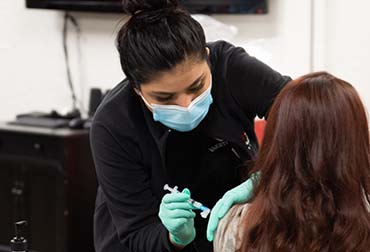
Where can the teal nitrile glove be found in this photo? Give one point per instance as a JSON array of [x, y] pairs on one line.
[[177, 216], [240, 194]]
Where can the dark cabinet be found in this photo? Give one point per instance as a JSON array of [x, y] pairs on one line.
[[47, 177]]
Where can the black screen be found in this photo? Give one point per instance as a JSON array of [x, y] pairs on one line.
[[194, 6]]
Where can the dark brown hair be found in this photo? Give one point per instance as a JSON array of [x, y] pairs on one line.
[[158, 36], [313, 193]]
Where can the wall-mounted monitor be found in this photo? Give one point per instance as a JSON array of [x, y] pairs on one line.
[[194, 6]]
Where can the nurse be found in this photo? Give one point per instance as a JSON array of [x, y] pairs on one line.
[[184, 117]]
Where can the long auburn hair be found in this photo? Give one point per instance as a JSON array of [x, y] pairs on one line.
[[313, 193]]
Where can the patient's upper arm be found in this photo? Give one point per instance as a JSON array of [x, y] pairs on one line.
[[229, 233]]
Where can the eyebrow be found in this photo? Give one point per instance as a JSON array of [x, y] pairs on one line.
[[194, 83]]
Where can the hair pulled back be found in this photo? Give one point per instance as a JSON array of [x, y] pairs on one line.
[[158, 36], [132, 7]]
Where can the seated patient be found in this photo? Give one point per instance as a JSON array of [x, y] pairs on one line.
[[313, 192]]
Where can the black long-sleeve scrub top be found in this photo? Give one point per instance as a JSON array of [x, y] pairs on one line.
[[135, 156]]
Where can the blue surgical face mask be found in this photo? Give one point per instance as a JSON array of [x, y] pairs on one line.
[[183, 118]]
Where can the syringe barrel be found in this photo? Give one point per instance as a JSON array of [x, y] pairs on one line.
[[198, 205], [195, 203]]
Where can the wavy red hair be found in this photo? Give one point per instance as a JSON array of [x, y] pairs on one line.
[[313, 193]]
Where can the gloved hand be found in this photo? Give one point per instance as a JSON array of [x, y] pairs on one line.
[[177, 216], [240, 194]]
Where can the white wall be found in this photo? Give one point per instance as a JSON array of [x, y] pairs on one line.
[[32, 70], [347, 47], [33, 74], [32, 65], [281, 38]]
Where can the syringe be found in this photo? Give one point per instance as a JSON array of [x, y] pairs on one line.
[[204, 210]]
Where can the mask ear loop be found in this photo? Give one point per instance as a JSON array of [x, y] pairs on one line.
[[145, 101]]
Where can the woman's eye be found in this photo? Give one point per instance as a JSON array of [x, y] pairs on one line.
[[163, 99], [197, 88]]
